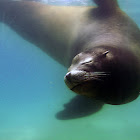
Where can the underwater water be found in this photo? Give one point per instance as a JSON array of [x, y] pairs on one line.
[[35, 104]]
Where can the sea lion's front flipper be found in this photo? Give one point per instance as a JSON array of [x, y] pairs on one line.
[[106, 6], [51, 28]]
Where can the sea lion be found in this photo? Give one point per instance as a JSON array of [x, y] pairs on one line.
[[101, 42]]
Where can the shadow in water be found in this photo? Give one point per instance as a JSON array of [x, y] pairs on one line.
[[79, 106]]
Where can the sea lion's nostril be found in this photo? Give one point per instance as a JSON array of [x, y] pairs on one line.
[[68, 76]]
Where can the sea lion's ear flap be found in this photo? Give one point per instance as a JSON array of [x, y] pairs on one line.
[[109, 5], [105, 53]]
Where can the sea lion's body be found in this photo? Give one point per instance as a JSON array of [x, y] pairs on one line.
[[51, 28], [64, 32]]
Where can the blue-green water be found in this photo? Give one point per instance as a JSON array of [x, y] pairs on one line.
[[35, 104]]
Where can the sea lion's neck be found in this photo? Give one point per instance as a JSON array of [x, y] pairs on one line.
[[104, 38], [116, 30], [108, 39]]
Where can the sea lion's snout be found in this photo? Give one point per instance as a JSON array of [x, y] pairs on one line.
[[85, 82], [105, 73]]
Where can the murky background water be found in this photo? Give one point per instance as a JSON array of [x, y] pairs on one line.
[[35, 104]]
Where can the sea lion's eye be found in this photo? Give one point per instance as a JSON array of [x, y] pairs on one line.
[[88, 62]]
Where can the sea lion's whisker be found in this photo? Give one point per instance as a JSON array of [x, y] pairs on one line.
[[95, 76], [99, 74]]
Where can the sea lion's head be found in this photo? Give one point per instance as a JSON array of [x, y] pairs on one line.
[[106, 73]]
